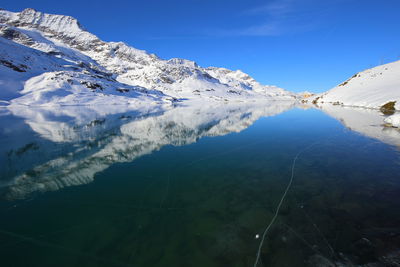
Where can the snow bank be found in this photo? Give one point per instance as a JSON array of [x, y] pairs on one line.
[[371, 88], [393, 120]]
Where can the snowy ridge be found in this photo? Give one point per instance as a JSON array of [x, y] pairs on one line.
[[58, 26], [58, 46], [371, 88]]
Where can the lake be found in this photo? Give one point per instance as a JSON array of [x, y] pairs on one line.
[[199, 186]]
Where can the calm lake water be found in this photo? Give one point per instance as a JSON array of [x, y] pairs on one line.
[[193, 186]]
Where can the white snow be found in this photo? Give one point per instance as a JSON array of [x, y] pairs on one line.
[[74, 88], [60, 57], [371, 88], [393, 120], [42, 45], [31, 62]]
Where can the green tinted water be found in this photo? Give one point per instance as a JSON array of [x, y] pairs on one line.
[[203, 203]]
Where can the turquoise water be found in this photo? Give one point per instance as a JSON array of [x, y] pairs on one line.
[[162, 190]]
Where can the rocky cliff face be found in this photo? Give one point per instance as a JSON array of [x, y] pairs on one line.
[[51, 43]]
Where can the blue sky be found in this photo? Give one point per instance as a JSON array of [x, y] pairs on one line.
[[295, 44]]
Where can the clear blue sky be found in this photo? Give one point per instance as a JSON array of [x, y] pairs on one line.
[[295, 44]]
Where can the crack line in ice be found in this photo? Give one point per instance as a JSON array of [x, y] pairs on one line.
[[201, 159], [280, 203], [333, 254], [301, 238]]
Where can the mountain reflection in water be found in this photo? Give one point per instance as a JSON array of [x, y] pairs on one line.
[[68, 146], [193, 186]]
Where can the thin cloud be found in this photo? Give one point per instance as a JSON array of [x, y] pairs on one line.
[[276, 18], [274, 8], [280, 17], [267, 29]]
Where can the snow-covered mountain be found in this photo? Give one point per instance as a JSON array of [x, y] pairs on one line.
[[372, 88], [52, 60]]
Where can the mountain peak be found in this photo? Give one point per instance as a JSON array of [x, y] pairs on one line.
[[74, 62], [28, 10], [58, 23]]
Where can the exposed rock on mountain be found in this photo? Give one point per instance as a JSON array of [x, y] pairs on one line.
[[52, 60]]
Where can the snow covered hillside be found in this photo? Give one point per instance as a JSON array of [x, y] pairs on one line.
[[372, 88], [52, 60]]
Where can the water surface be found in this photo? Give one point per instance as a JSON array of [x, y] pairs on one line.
[[193, 186]]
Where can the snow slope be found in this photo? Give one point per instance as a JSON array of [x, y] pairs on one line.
[[371, 88], [52, 60]]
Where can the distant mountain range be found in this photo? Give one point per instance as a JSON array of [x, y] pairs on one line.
[[51, 60]]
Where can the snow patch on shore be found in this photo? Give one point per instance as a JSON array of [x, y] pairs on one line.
[[371, 88], [393, 120]]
